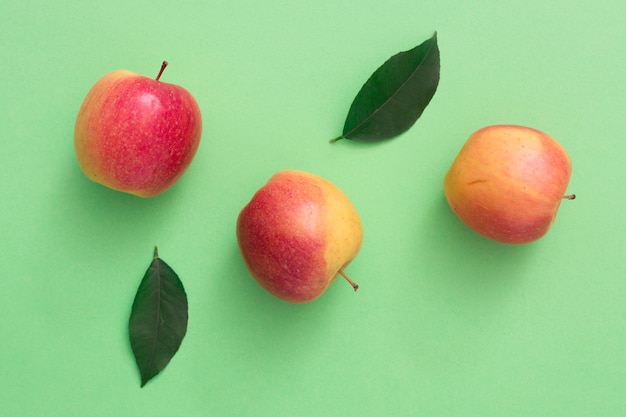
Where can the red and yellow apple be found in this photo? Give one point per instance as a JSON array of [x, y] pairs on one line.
[[297, 234], [507, 182], [136, 134]]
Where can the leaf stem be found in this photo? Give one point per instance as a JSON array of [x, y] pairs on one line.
[[336, 139], [354, 284], [156, 252]]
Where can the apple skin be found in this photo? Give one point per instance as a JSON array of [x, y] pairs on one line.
[[297, 234], [136, 134], [507, 183]]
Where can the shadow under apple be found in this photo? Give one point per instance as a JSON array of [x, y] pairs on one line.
[[87, 215], [271, 327], [462, 260]]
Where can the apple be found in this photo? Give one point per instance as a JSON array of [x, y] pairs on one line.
[[507, 183], [297, 234], [136, 134]]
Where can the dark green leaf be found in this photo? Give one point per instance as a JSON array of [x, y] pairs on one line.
[[158, 320], [395, 95]]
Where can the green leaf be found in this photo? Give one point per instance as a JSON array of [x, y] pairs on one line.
[[158, 320], [395, 95]]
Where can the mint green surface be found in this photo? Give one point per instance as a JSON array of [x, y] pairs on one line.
[[446, 323]]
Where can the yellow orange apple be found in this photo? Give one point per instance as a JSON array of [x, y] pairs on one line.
[[297, 234], [507, 182], [136, 134]]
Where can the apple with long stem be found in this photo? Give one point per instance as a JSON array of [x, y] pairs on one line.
[[507, 182], [297, 234], [137, 134]]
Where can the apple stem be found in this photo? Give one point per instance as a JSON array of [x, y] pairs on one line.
[[570, 196], [163, 65], [354, 284]]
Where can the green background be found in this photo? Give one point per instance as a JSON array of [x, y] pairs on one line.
[[446, 323]]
